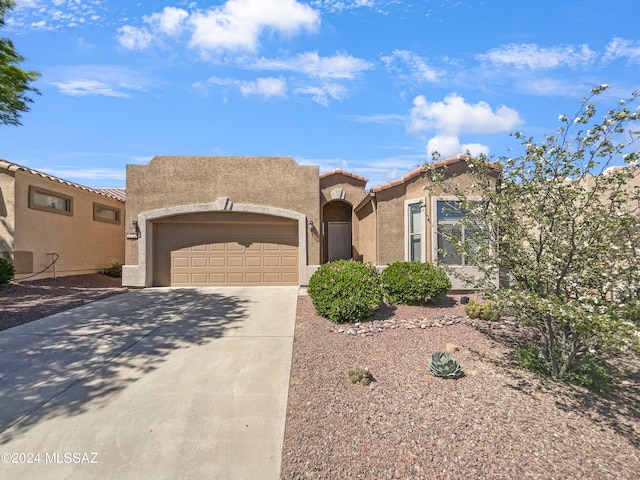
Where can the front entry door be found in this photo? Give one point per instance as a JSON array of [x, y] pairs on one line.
[[339, 240]]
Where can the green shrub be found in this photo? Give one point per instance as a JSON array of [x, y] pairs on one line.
[[485, 311], [591, 374], [345, 291], [115, 270], [6, 271], [413, 283], [360, 375]]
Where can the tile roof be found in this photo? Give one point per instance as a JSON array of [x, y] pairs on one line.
[[115, 193], [345, 173], [417, 172]]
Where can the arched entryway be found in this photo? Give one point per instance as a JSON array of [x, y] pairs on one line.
[[336, 223]]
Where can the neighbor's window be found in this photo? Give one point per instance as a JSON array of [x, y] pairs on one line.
[[416, 219], [48, 201], [104, 213]]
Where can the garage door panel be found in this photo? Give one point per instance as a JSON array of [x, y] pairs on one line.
[[254, 262], [225, 254], [199, 262]]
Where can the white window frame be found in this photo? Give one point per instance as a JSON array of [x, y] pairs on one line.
[[423, 231], [435, 223]]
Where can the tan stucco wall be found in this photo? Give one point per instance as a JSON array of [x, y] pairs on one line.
[[390, 205], [352, 187], [277, 182], [84, 245], [366, 230], [7, 214]]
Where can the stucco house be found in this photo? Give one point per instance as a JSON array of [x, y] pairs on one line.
[[196, 221], [44, 218]]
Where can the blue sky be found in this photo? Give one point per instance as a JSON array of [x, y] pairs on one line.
[[370, 86]]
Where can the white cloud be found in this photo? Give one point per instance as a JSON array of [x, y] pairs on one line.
[[620, 48], [342, 5], [340, 66], [97, 80], [322, 93], [133, 38], [237, 25], [418, 68], [453, 115], [448, 146], [264, 87], [380, 118], [85, 88], [170, 22], [234, 26], [532, 56], [54, 15]]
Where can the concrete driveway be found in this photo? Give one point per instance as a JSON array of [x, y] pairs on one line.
[[156, 383]]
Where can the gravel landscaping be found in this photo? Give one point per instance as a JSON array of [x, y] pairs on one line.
[[23, 302], [497, 422]]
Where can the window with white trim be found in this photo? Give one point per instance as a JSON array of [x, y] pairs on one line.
[[414, 230], [448, 215], [49, 201]]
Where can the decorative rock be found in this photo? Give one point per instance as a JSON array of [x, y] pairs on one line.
[[341, 330], [351, 331], [451, 348]]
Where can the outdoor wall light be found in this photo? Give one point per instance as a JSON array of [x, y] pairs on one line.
[[133, 223], [310, 224]]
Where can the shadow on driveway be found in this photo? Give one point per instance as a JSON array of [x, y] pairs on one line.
[[101, 348]]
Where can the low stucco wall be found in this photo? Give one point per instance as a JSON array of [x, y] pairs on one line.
[[83, 244]]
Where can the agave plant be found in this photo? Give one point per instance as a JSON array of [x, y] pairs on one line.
[[443, 364]]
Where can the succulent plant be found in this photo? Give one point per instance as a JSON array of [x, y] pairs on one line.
[[360, 375], [443, 364]]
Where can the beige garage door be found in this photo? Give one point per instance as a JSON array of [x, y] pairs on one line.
[[226, 254]]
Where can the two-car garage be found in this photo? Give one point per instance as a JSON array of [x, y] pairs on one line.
[[223, 248]]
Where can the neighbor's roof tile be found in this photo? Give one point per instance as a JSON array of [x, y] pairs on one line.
[[116, 194]]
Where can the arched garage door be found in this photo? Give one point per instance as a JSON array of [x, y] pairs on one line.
[[222, 248]]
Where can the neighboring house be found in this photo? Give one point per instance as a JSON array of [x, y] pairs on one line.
[[195, 221], [44, 218]]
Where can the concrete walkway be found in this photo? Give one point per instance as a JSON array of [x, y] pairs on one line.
[[151, 384]]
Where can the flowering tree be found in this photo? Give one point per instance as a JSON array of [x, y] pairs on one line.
[[561, 228], [14, 82]]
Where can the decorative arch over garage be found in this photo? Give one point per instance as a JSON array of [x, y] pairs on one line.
[[144, 273]]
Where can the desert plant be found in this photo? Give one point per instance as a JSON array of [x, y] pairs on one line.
[[445, 365], [6, 271], [360, 375], [413, 283], [345, 291], [560, 225], [115, 270], [591, 374], [485, 311]]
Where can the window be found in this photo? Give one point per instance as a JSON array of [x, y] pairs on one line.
[[448, 216], [48, 201], [414, 231], [104, 213]]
